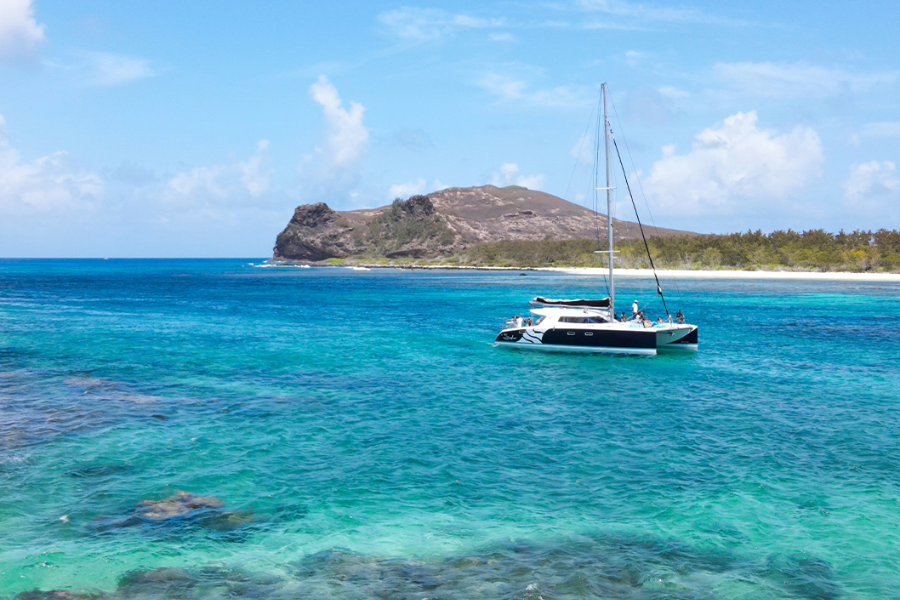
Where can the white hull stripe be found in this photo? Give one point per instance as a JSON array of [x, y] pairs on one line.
[[531, 338], [581, 349]]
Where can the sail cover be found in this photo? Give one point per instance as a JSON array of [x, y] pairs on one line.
[[579, 303]]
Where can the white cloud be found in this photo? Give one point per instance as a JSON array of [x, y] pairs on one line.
[[509, 175], [255, 172], [502, 86], [735, 169], [20, 34], [346, 138], [798, 80], [672, 92], [874, 187], [501, 37], [332, 171], [104, 69], [608, 25], [234, 183], [46, 184], [633, 57], [414, 188], [648, 12], [882, 130], [508, 89], [431, 23], [421, 24]]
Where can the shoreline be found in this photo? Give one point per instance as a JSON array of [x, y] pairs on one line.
[[737, 274], [622, 272]]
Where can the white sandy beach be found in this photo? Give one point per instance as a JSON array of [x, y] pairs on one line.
[[665, 273], [691, 274], [728, 274]]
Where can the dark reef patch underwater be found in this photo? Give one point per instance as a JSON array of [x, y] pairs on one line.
[[586, 567], [175, 429]]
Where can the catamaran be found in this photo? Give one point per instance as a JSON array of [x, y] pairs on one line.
[[590, 325]]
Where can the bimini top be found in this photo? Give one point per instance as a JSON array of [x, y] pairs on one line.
[[577, 303]]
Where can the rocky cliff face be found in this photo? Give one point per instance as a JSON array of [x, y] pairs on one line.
[[410, 228], [440, 224]]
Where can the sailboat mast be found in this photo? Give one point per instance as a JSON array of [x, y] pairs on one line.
[[609, 218]]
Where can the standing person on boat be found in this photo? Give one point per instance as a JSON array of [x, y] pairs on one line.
[[635, 310], [680, 316]]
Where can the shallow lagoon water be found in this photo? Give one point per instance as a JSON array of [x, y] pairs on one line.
[[366, 439]]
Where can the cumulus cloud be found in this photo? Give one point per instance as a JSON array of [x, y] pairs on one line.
[[509, 175], [234, 183], [46, 184], [421, 24], [21, 36], [736, 168], [874, 186], [414, 188], [345, 140]]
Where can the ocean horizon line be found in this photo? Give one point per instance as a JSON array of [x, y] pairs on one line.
[[720, 273]]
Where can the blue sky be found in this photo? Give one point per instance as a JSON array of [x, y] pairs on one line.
[[194, 128]]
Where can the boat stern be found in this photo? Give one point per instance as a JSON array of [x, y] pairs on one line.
[[678, 336], [510, 335]]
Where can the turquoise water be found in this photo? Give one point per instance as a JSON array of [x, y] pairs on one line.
[[367, 441]]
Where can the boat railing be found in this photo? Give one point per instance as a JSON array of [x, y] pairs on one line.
[[515, 323]]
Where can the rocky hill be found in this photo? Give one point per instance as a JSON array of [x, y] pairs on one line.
[[442, 223]]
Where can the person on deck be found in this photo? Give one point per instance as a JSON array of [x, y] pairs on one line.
[[679, 316], [635, 310]]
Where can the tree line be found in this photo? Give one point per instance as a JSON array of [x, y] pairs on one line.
[[813, 250]]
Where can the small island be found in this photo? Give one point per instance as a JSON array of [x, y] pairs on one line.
[[515, 227]]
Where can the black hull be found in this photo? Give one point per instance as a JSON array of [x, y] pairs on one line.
[[600, 339], [690, 339]]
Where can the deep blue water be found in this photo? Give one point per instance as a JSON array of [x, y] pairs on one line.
[[367, 440]]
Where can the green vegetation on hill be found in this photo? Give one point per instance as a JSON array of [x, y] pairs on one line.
[[544, 253], [413, 222], [816, 250]]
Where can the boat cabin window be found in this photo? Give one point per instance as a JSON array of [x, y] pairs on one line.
[[581, 320]]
